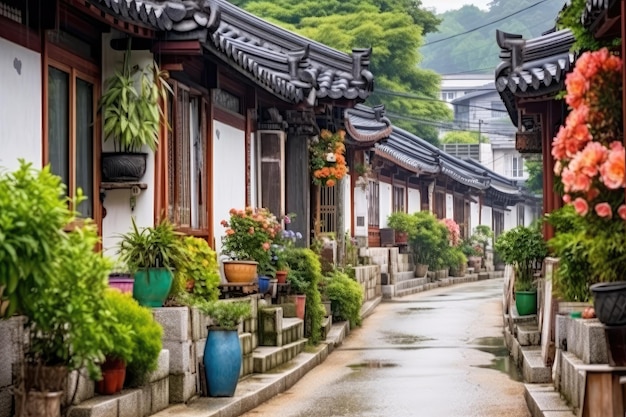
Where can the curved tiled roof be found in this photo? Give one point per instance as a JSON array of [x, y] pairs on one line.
[[366, 125], [593, 9], [532, 67], [289, 65]]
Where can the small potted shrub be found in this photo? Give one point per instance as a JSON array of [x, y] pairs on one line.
[[152, 253], [481, 238], [131, 118], [248, 239], [523, 248], [401, 223], [222, 351], [428, 239], [457, 262], [200, 274]]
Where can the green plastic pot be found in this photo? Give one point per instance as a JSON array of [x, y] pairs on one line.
[[152, 286], [526, 302]]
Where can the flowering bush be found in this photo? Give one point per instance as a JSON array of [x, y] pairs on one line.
[[327, 160], [249, 235], [454, 232], [588, 148], [590, 161]]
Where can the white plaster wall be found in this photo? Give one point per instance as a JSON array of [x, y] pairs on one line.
[[449, 206], [486, 217], [229, 175], [474, 216], [414, 203], [20, 105], [510, 218], [529, 214], [360, 210], [347, 203], [117, 202], [386, 203], [487, 155], [499, 161]]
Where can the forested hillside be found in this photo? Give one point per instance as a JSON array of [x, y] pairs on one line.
[[395, 30], [466, 40]]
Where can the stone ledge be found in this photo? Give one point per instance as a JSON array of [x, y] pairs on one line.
[[533, 369], [543, 401]]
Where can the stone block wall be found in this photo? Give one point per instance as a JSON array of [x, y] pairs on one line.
[[11, 339], [369, 278], [184, 336]]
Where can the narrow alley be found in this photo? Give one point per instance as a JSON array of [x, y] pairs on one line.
[[436, 353]]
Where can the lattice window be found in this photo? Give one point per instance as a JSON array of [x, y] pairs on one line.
[[398, 199], [187, 183], [440, 204], [12, 10], [328, 209], [498, 223], [373, 204]]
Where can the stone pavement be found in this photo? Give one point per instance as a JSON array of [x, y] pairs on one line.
[[255, 389]]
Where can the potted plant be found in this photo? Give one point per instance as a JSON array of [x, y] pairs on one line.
[[346, 296], [200, 274], [138, 345], [428, 239], [589, 154], [247, 243], [131, 117], [121, 344], [456, 261], [152, 253], [481, 238], [401, 223], [222, 351], [305, 275], [524, 249], [121, 278], [54, 279], [327, 160]]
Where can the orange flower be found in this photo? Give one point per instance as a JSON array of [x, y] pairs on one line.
[[581, 206], [330, 183], [613, 170], [604, 210], [230, 232]]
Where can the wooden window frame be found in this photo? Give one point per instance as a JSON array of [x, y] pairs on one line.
[[398, 192], [162, 160], [373, 203], [258, 139], [77, 68]]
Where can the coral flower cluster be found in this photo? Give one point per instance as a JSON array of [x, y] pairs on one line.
[[588, 149], [327, 160], [454, 232], [250, 233]]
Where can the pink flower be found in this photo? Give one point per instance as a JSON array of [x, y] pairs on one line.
[[581, 206], [622, 211], [266, 246], [613, 170], [567, 198], [604, 210], [287, 220]]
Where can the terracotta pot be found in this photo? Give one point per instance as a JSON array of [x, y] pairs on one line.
[[240, 271], [402, 238], [281, 276], [300, 305], [113, 376], [38, 404]]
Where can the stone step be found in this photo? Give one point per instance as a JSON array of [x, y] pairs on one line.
[[533, 368], [403, 276], [327, 325], [293, 330], [544, 401], [267, 357], [128, 403], [528, 334], [410, 283], [514, 319]]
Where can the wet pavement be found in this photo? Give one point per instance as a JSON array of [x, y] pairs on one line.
[[437, 353]]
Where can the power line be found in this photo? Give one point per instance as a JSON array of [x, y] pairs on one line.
[[486, 24], [416, 97], [445, 125]]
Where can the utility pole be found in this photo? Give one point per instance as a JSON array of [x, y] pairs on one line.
[[480, 125]]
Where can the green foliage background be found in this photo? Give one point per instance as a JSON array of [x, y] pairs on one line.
[[395, 30]]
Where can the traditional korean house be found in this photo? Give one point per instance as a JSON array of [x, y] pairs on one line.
[[531, 74], [247, 97], [406, 173]]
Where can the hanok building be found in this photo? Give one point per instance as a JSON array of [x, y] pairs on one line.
[[248, 95]]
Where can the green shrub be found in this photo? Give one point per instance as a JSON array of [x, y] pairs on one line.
[[122, 335], [225, 314], [401, 221], [147, 334], [305, 275], [428, 240], [524, 248], [201, 268], [346, 296]]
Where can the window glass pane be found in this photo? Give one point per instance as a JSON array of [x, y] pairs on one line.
[[84, 145], [58, 123]]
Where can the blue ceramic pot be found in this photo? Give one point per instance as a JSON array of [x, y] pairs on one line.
[[264, 284], [222, 362]]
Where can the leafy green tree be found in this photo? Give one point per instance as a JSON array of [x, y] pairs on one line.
[[393, 28], [534, 183], [463, 137]]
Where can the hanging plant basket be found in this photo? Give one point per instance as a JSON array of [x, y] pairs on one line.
[[609, 302], [123, 167], [528, 142]]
